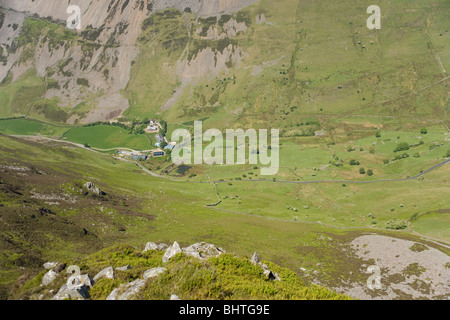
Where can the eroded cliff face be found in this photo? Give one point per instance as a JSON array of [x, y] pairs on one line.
[[89, 68]]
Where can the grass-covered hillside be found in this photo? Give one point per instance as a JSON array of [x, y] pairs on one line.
[[48, 214], [219, 278]]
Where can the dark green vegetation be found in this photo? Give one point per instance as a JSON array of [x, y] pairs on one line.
[[223, 277]]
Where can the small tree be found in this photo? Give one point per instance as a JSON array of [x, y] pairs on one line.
[[378, 135], [362, 170], [423, 131], [370, 172], [402, 146], [448, 154]]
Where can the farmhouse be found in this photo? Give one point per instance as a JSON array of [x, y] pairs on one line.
[[152, 129]]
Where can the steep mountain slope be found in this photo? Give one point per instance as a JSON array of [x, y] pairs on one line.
[[82, 72], [253, 63]]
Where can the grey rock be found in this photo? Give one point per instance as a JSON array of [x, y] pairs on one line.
[[255, 258], [90, 186], [60, 267], [86, 280], [171, 251], [131, 289], [78, 292], [152, 273], [153, 246], [50, 265], [113, 294], [124, 268], [107, 273], [174, 297], [49, 277], [203, 250]]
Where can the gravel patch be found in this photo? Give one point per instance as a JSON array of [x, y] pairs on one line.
[[408, 269]]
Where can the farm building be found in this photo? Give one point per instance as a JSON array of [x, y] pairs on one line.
[[158, 153], [139, 157], [169, 147]]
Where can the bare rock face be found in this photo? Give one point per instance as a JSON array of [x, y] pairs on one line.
[[112, 29]]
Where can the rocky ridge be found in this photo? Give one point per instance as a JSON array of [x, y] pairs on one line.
[[78, 286]]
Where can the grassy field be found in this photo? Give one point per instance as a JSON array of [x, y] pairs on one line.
[[19, 127], [107, 137]]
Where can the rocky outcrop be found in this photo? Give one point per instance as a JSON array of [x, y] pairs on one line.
[[49, 277], [172, 251], [255, 259], [124, 268], [77, 290], [200, 250], [203, 250], [90, 186], [152, 273]]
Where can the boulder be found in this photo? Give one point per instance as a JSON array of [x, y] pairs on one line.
[[203, 250], [255, 258], [113, 294], [172, 251], [153, 246], [79, 292], [86, 280], [152, 273], [174, 297], [266, 271], [131, 289], [60, 267], [48, 278], [107, 273], [50, 265]]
